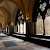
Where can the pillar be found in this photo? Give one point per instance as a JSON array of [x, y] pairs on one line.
[[29, 28]]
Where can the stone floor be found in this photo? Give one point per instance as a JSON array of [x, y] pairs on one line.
[[12, 43]]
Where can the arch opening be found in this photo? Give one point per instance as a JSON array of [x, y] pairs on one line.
[[20, 23]]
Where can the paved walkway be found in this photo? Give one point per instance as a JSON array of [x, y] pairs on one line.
[[11, 43]]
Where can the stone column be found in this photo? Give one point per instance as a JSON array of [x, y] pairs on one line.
[[29, 28], [11, 30]]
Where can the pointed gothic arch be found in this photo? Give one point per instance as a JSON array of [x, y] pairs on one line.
[[7, 14]]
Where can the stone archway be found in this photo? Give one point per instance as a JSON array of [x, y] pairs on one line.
[[26, 6], [20, 5], [7, 18], [7, 15]]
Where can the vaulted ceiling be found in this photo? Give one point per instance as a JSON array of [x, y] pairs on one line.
[[9, 8], [25, 6]]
